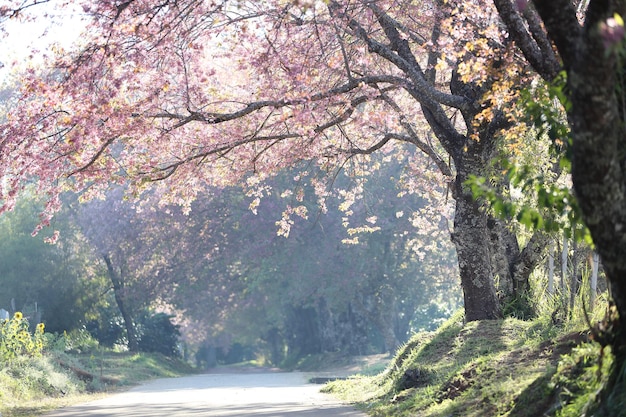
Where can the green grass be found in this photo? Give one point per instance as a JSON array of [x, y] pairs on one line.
[[132, 368], [33, 386], [485, 368]]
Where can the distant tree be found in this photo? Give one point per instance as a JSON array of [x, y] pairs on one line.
[[312, 291], [376, 259], [136, 249]]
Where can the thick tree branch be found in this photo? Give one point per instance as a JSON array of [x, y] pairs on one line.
[[95, 157], [530, 257], [534, 45], [216, 118], [433, 56], [166, 171], [414, 138], [424, 92], [559, 17], [348, 112], [552, 64], [430, 96]]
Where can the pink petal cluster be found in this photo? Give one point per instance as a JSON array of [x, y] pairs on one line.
[[612, 32]]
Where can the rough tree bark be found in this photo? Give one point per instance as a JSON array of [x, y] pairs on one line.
[[470, 237]]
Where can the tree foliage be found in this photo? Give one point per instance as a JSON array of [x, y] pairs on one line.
[[157, 333], [56, 284], [194, 94], [261, 286]]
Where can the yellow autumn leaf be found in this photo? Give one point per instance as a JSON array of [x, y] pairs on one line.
[[441, 64]]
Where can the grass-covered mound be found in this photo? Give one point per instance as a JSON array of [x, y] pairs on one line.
[[485, 368]]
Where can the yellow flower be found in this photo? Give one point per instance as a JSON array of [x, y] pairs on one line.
[[41, 327], [18, 315]]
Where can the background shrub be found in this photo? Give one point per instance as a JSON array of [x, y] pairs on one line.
[[157, 333]]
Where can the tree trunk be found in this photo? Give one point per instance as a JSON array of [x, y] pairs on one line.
[[574, 283], [488, 251], [120, 298], [276, 345], [551, 270], [564, 264], [595, 79], [599, 177], [513, 265], [504, 250], [594, 279], [471, 237], [530, 257], [486, 248]]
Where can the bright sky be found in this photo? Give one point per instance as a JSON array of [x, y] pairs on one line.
[[61, 27]]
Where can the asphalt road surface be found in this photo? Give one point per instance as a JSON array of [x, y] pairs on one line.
[[275, 394]]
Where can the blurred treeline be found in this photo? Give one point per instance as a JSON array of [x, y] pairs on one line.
[[359, 272]]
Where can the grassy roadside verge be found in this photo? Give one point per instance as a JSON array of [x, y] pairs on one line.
[[35, 385], [507, 368]]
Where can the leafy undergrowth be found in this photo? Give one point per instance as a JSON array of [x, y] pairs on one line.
[[34, 385], [508, 368]]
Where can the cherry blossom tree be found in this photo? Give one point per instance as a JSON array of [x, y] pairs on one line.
[[189, 94], [14, 9]]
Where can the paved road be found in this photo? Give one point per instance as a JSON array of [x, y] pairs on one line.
[[260, 394]]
